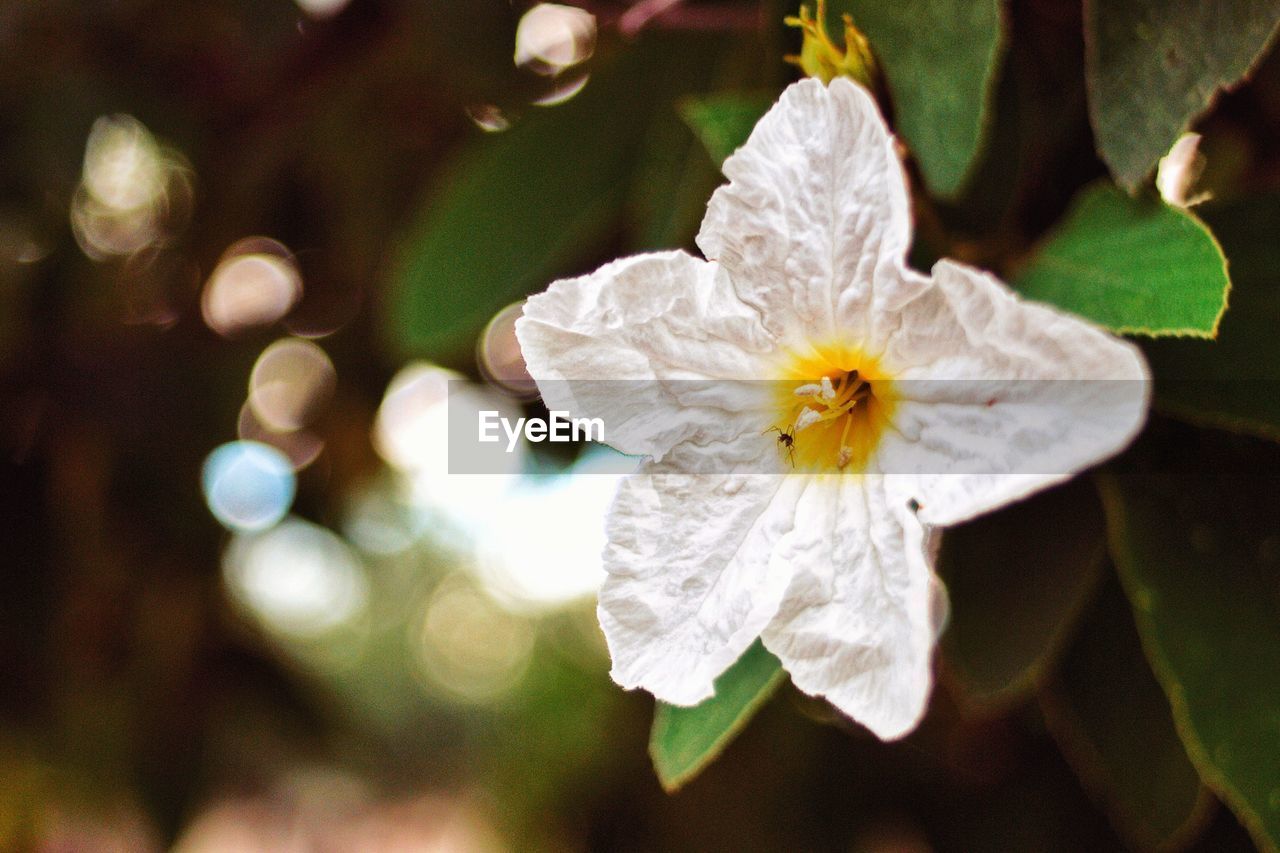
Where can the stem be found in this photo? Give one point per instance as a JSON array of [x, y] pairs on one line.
[[674, 15], [634, 19]]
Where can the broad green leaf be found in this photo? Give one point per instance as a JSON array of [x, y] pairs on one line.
[[670, 186], [1017, 580], [939, 59], [724, 121], [521, 207], [1111, 719], [684, 740], [1154, 66], [1198, 551], [518, 207], [1134, 265], [675, 177], [1232, 382]]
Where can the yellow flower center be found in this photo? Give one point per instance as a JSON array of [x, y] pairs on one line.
[[834, 404]]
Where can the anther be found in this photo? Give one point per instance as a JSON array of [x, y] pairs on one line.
[[808, 417]]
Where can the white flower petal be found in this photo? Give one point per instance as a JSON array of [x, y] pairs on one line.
[[1002, 397], [863, 609], [630, 342], [692, 578], [815, 212]]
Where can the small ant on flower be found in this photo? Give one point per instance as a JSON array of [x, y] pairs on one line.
[[786, 438]]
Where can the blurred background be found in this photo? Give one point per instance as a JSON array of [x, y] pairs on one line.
[[244, 247]]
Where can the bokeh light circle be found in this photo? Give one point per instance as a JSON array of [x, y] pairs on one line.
[[533, 564], [562, 89], [248, 486], [489, 117], [552, 37], [298, 578], [471, 647], [499, 356], [124, 168], [411, 432], [249, 289], [303, 447], [132, 191], [290, 384]]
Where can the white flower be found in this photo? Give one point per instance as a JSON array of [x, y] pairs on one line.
[[805, 515]]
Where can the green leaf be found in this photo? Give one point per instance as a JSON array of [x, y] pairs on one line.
[[1154, 66], [1017, 580], [1232, 382], [1133, 265], [670, 186], [939, 59], [518, 207], [524, 206], [1114, 725], [684, 740], [1198, 551], [724, 121], [675, 177]]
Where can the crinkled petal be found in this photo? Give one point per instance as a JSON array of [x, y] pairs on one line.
[[860, 618], [641, 343], [815, 211], [692, 577], [1000, 397]]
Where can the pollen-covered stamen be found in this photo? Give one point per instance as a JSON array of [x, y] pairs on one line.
[[835, 418], [834, 401], [844, 457], [808, 417]]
